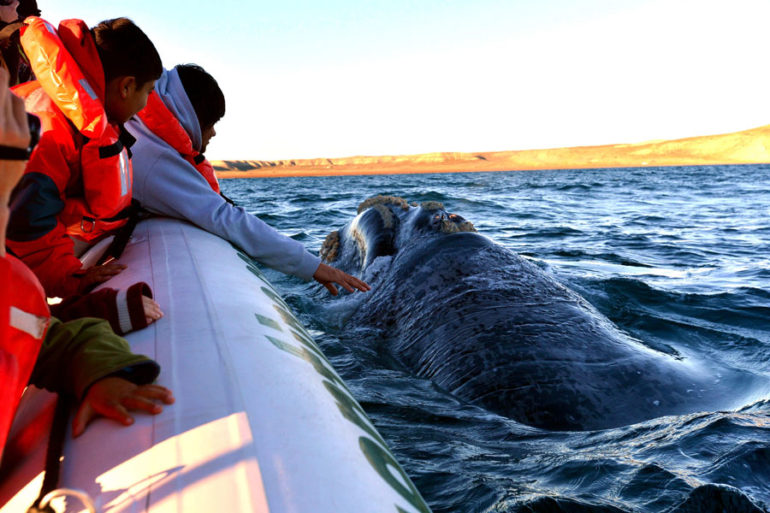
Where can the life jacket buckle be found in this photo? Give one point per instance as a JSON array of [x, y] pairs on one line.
[[90, 220]]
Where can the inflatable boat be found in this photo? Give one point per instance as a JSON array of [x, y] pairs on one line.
[[262, 422]]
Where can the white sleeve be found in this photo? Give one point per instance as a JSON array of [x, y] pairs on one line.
[[173, 187]]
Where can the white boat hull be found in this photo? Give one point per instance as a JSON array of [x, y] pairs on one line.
[[261, 423]]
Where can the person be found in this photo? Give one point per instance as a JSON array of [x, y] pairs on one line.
[[82, 358], [77, 186], [173, 178], [12, 57]]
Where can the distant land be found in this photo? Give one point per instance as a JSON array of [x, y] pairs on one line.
[[745, 147]]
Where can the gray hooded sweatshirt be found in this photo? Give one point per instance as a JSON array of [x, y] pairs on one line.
[[165, 183]]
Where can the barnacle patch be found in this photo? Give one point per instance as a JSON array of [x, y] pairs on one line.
[[383, 200], [449, 226], [386, 214], [330, 247], [432, 205]]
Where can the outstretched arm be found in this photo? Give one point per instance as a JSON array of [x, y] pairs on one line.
[[85, 359]]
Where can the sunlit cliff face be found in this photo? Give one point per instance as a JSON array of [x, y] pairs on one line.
[[745, 147]]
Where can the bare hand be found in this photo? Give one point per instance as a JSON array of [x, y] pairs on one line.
[[152, 311], [97, 274], [113, 398], [327, 276], [14, 130]]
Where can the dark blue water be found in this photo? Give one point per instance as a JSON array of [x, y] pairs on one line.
[[677, 257]]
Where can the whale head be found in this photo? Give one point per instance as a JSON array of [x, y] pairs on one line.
[[386, 226]]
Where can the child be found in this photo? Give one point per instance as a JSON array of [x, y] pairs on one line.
[[82, 358], [77, 186], [173, 178]]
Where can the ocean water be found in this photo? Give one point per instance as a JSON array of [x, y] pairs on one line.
[[677, 256]]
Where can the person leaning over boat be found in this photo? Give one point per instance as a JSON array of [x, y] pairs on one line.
[[82, 358], [173, 178], [77, 185]]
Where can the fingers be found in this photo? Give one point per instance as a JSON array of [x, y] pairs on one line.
[[328, 275], [110, 269], [114, 397], [156, 392], [139, 403], [99, 274], [82, 417], [142, 398], [358, 284], [89, 410], [347, 286], [152, 311], [350, 283]]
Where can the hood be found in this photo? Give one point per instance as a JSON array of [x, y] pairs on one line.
[[170, 89]]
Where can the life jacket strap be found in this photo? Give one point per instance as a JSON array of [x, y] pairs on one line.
[[135, 214], [53, 455]]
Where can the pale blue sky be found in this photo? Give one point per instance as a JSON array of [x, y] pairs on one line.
[[343, 77]]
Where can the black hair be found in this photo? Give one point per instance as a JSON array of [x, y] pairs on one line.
[[204, 93], [126, 51], [27, 8]]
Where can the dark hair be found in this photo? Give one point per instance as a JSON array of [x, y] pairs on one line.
[[204, 93], [27, 8], [126, 51]]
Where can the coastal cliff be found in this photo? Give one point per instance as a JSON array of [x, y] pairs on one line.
[[745, 147]]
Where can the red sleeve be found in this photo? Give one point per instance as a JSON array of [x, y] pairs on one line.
[[124, 310], [36, 233], [5, 301], [52, 259]]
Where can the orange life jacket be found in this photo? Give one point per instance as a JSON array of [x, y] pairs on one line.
[[25, 318], [162, 122], [70, 82]]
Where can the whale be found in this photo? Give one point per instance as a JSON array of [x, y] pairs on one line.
[[499, 331]]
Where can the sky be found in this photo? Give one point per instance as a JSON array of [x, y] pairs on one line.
[[337, 78]]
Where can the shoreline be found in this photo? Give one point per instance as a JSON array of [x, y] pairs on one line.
[[745, 147]]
